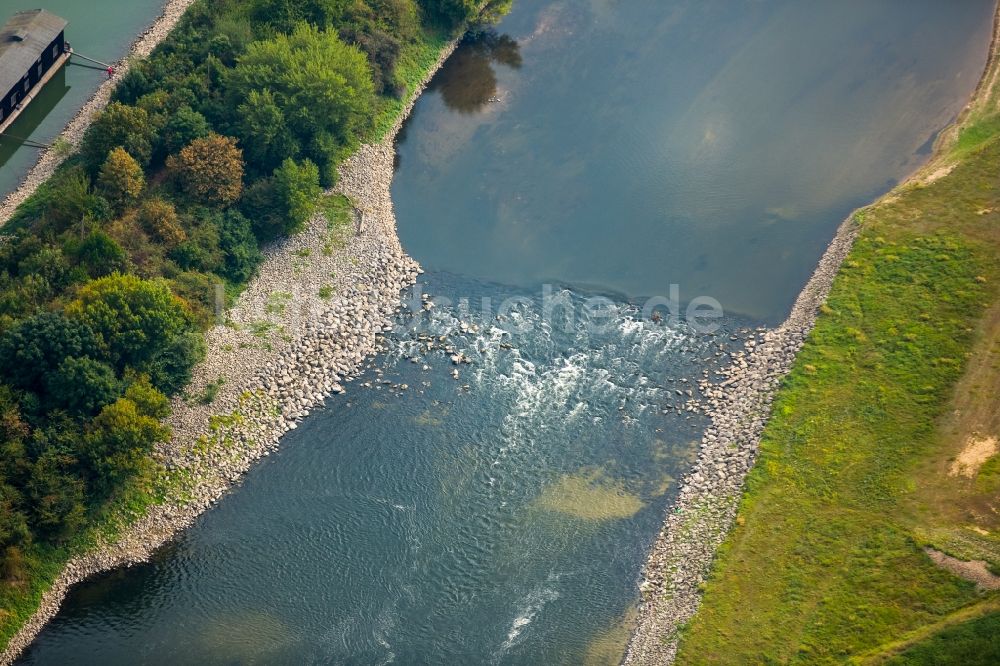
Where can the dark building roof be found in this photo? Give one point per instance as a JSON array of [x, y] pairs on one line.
[[22, 40]]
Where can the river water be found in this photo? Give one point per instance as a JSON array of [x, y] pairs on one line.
[[100, 29], [604, 149]]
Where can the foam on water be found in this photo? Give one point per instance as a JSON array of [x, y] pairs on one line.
[[529, 608], [553, 376], [425, 526]]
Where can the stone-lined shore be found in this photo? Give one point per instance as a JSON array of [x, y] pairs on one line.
[[698, 522], [302, 327]]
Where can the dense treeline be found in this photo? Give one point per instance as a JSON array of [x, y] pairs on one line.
[[220, 141]]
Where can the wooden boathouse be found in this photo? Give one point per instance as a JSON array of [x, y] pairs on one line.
[[32, 49]]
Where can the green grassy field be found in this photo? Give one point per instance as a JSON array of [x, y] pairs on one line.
[[856, 470], [973, 643]]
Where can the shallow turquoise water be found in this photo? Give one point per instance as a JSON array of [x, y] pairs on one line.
[[100, 29], [503, 517]]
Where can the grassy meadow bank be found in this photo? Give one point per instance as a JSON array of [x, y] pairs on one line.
[[881, 450], [218, 144]]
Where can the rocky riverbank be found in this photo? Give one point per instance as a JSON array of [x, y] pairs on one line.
[[739, 407], [700, 519], [300, 330]]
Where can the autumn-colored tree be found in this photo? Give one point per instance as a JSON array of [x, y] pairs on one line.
[[159, 218], [121, 179], [209, 170], [119, 125]]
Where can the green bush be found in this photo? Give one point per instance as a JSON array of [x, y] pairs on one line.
[[136, 319], [321, 85], [200, 251], [36, 347], [56, 493], [99, 255], [238, 244], [264, 132], [81, 385], [282, 204], [296, 190], [121, 436], [183, 127], [71, 200], [118, 126]]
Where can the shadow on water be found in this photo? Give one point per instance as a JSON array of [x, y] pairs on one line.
[[467, 82], [18, 134]]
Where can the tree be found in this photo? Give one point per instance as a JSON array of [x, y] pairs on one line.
[[82, 386], [282, 204], [128, 127], [382, 49], [264, 133], [50, 263], [121, 179], [210, 170], [455, 12], [13, 434], [183, 127], [147, 399], [56, 495], [201, 250], [14, 533], [13, 526], [121, 436], [69, 200], [237, 241], [450, 12], [14, 530], [99, 254], [133, 85], [159, 218], [284, 15], [297, 188], [320, 84], [36, 347], [170, 367], [135, 318]]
